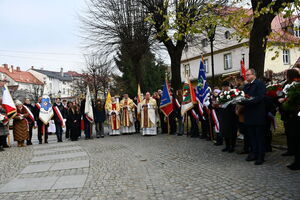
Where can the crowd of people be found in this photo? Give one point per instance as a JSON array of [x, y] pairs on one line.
[[252, 117]]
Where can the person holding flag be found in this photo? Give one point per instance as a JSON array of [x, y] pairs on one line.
[[42, 129], [10, 108], [166, 105], [45, 114], [188, 103], [203, 94], [4, 131], [31, 120], [59, 115], [89, 113]]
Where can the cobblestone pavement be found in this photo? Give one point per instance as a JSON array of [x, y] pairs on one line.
[[134, 167]]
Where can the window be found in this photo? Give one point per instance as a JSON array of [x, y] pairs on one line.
[[204, 42], [205, 62], [227, 35], [64, 91], [227, 61], [297, 31], [286, 57], [187, 70], [297, 28]]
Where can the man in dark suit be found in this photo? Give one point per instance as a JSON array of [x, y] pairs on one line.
[[255, 116]]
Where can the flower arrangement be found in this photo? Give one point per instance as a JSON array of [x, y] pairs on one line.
[[274, 90], [229, 96], [292, 94]]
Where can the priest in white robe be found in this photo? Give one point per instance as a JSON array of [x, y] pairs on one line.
[[127, 111], [114, 117], [148, 112]]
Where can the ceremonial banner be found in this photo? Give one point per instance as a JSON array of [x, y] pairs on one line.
[[166, 105], [108, 100], [8, 103], [139, 97], [88, 108], [189, 97], [202, 89], [46, 111], [243, 69]]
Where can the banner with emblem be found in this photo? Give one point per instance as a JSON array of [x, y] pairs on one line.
[[46, 111]]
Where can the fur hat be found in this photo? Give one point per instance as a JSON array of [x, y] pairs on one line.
[[18, 102]]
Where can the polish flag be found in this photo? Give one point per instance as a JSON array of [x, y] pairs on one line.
[[8, 103]]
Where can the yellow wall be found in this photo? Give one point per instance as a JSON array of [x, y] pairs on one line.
[[277, 65]]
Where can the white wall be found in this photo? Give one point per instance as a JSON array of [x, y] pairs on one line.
[[218, 63]]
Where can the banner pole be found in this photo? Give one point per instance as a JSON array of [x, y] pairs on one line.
[[8, 139], [210, 127], [168, 125], [43, 132]]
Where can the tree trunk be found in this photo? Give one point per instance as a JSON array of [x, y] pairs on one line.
[[261, 29], [175, 53]]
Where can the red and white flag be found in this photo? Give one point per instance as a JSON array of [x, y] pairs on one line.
[[243, 69], [88, 108], [8, 103]]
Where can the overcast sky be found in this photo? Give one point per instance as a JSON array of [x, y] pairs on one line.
[[42, 33]]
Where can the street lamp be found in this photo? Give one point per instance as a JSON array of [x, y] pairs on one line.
[[211, 32]]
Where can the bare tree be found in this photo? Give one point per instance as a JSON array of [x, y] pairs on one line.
[[118, 27], [97, 74], [37, 91]]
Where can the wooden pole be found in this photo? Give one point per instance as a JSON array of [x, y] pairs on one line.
[[168, 126], [91, 129], [210, 127], [44, 132], [8, 139], [187, 124]]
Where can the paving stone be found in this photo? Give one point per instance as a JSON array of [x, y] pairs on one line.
[[70, 165], [29, 184], [65, 182], [55, 150], [58, 156], [153, 168], [36, 168], [53, 145]]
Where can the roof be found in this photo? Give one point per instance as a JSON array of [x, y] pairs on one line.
[[56, 75], [74, 74], [279, 28], [20, 76], [279, 24]]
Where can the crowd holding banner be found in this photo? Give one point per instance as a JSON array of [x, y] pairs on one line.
[[245, 106]]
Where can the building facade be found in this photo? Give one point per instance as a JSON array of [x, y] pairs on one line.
[[228, 52], [57, 84]]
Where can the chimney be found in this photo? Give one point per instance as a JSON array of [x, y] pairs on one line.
[[62, 72], [5, 66], [18, 69], [32, 67], [11, 69]]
